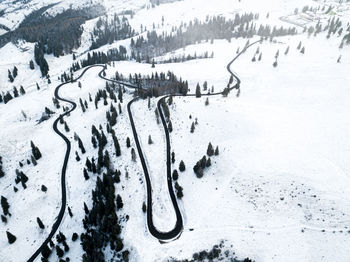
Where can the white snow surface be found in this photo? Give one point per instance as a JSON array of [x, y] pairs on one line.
[[278, 191]]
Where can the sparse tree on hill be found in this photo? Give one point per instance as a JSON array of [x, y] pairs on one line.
[[40, 223], [11, 238], [198, 91]]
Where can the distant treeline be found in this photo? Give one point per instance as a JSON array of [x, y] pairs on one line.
[[58, 34]]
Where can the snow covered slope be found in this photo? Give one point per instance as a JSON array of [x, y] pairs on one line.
[[277, 191]]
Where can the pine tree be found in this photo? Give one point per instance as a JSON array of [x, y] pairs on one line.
[[205, 85], [15, 72], [210, 150], [11, 238], [175, 175], [275, 63], [217, 151], [70, 212], [192, 127], [144, 207], [32, 158], [74, 237], [150, 141], [5, 206], [22, 91], [10, 76], [86, 209], [81, 146], [153, 64], [77, 157], [40, 223], [119, 202], [302, 50], [66, 127], [198, 91], [59, 251], [173, 157], [116, 146], [133, 155], [43, 188], [299, 46], [207, 101], [35, 151], [287, 51], [182, 166], [15, 92], [31, 64], [86, 175], [170, 127], [127, 142]]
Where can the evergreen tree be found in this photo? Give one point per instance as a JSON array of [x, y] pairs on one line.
[[119, 202], [133, 155], [40, 223], [170, 127], [173, 157], [35, 151], [175, 175], [217, 151], [81, 146], [192, 127], [70, 212], [74, 237], [116, 146], [31, 64], [182, 166], [86, 209], [198, 91], [11, 79], [11, 238], [287, 51], [302, 50], [5, 206], [210, 150], [43, 188], [59, 251], [127, 142], [207, 101], [299, 45], [22, 91], [15, 92], [15, 72], [3, 219], [150, 141], [86, 175], [66, 127]]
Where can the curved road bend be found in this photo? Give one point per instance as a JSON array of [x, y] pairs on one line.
[[64, 167], [162, 236]]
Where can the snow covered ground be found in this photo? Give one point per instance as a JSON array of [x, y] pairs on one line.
[[279, 189]]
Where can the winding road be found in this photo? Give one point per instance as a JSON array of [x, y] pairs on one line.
[[161, 236]]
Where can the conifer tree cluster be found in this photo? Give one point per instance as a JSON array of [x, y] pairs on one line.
[[205, 162], [35, 151], [157, 84], [101, 222], [6, 97], [21, 177], [12, 74], [109, 30], [39, 51]]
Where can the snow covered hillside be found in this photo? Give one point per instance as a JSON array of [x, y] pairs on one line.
[[259, 172]]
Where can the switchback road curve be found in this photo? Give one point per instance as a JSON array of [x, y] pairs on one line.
[[161, 236]]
